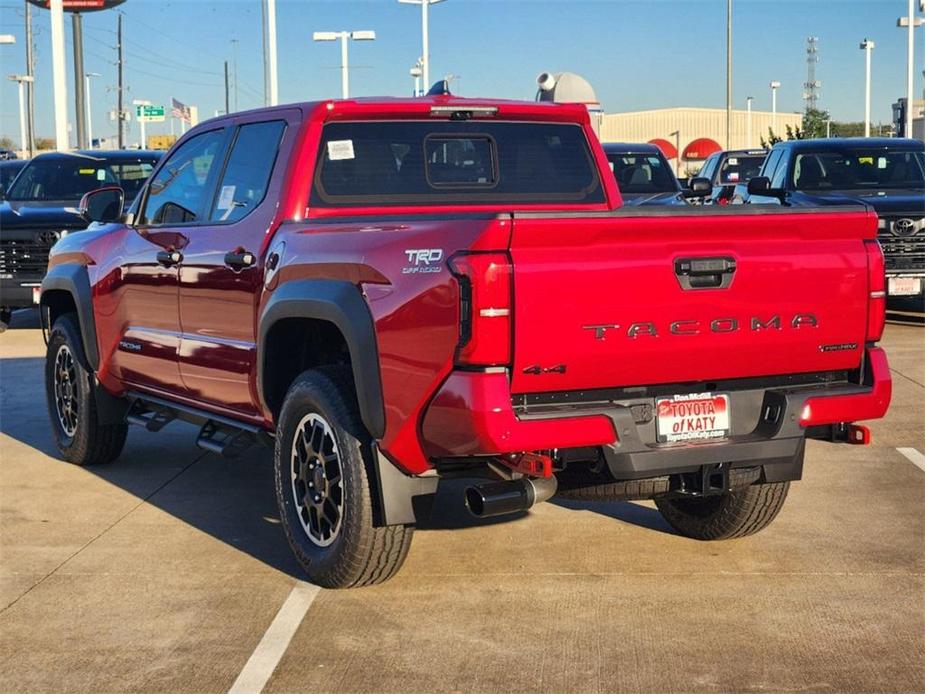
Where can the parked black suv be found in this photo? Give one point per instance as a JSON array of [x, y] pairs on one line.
[[886, 173], [41, 207]]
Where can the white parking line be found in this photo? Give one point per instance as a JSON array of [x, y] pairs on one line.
[[914, 457], [275, 641]]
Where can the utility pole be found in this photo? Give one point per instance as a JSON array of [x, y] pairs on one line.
[[59, 82], [22, 80], [234, 67], [728, 74], [910, 22], [120, 116], [227, 99], [30, 85], [425, 39], [271, 49], [867, 46], [79, 96]]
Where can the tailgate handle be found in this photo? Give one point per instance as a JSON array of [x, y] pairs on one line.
[[704, 273]]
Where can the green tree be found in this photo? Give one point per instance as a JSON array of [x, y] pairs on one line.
[[771, 141], [814, 123], [7, 143]]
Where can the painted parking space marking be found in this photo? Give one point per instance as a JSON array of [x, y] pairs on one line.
[[914, 456], [275, 641]]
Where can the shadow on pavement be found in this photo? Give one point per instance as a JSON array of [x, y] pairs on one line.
[[626, 511]]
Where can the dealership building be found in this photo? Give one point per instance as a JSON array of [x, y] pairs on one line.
[[694, 132]]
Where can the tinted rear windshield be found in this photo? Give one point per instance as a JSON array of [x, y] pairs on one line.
[[69, 178], [740, 168], [466, 163], [642, 173], [859, 168]]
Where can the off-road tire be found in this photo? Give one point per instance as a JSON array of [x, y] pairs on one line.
[[579, 483], [89, 443], [727, 516], [360, 554]]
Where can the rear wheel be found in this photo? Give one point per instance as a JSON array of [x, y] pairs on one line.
[[735, 514], [324, 488], [79, 435]]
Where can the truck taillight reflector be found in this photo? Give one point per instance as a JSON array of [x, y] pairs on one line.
[[485, 308], [876, 285]]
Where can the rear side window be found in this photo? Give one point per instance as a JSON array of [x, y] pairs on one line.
[[434, 163], [740, 168], [244, 182]]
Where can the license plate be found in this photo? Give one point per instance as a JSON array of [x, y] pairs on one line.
[[904, 286], [694, 417]]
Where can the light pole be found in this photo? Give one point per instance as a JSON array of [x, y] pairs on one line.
[[775, 85], [344, 65], [425, 45], [23, 147], [910, 22], [748, 120], [416, 73], [269, 55], [728, 74], [87, 77], [867, 46], [141, 118], [59, 83], [677, 152]]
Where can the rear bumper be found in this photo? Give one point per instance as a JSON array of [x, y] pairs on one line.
[[14, 295], [472, 415]]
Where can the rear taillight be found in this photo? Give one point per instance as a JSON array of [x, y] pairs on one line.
[[485, 307], [876, 285]]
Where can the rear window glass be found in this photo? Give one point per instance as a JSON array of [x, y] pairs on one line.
[[642, 173], [472, 162], [740, 168]]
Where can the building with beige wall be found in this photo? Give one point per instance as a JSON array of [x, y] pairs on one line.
[[693, 124]]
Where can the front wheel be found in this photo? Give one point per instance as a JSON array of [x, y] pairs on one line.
[[735, 514], [79, 435], [323, 464]]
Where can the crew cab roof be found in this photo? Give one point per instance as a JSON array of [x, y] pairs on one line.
[[425, 107], [629, 148], [839, 143]]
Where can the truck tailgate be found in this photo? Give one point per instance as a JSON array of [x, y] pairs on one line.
[[620, 299]]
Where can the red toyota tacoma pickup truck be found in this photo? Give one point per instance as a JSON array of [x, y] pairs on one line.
[[398, 291]]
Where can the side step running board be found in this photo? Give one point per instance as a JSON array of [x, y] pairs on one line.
[[221, 435]]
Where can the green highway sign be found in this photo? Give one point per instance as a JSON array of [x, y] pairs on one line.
[[150, 114]]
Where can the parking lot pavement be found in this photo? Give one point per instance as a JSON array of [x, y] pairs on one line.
[[163, 572]]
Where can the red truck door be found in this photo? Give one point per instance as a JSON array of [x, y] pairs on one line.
[[145, 321], [630, 300], [222, 273]]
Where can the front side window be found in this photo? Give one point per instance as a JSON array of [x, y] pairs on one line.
[[709, 166], [434, 163], [642, 173], [70, 177], [182, 189], [770, 164], [244, 182]]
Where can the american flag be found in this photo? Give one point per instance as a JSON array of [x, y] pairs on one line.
[[179, 110]]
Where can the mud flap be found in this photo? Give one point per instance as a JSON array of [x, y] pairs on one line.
[[403, 499]]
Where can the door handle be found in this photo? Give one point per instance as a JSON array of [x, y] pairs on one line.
[[239, 259], [169, 258], [704, 273]]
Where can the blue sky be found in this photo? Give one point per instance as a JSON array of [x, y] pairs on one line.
[[638, 54]]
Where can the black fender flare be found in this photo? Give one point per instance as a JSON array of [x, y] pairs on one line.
[[74, 279], [338, 302]]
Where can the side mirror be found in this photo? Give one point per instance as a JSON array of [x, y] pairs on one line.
[[102, 205], [698, 188], [759, 185]]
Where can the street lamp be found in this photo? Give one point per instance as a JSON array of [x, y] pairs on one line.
[[867, 46], [416, 73], [910, 22], [343, 36], [22, 109], [425, 45], [7, 39], [677, 152], [775, 85], [748, 121], [87, 77]]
